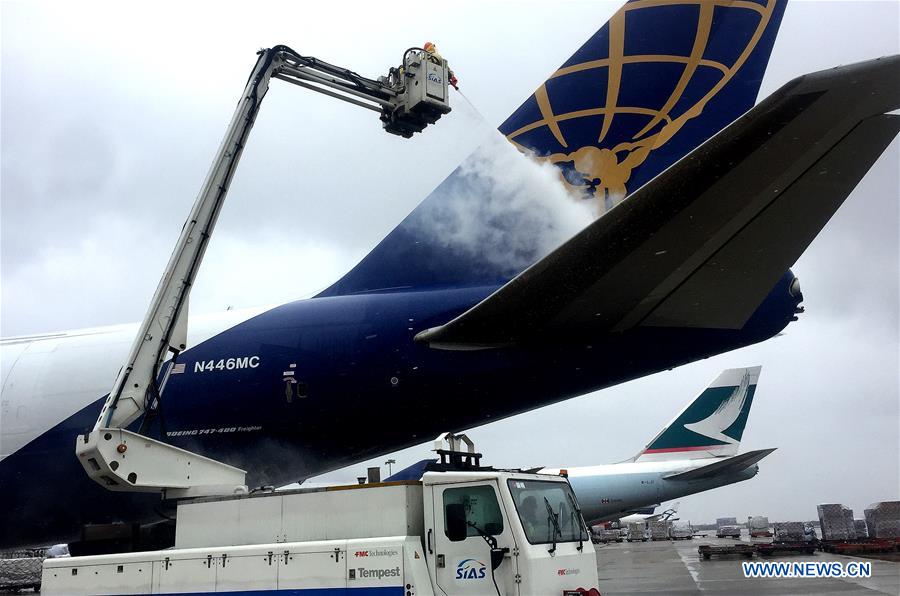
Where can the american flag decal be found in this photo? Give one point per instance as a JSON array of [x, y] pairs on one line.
[[178, 369]]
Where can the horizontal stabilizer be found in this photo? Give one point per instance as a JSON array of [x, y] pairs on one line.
[[729, 465], [702, 244], [413, 472]]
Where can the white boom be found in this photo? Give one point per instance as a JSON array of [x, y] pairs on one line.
[[408, 99]]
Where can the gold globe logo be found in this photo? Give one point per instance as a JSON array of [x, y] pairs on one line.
[[606, 170]]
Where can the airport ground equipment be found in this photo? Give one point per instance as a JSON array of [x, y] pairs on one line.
[[758, 525], [637, 531], [708, 550], [605, 536], [836, 522], [20, 573], [681, 532], [726, 521], [412, 96], [775, 548], [659, 529], [462, 529], [883, 519], [790, 531], [857, 547], [728, 532]]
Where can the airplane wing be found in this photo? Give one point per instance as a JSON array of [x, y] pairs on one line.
[[703, 243], [726, 466]]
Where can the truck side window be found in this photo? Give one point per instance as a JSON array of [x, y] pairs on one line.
[[481, 507]]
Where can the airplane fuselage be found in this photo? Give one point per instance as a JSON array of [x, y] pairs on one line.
[[609, 492], [304, 388]]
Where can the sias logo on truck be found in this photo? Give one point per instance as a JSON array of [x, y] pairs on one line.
[[470, 569]]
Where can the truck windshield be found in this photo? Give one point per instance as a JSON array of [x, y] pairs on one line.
[[546, 510]]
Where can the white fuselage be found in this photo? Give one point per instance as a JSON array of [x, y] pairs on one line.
[[47, 378], [611, 491]]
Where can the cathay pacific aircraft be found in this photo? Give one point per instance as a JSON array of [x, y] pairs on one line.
[[459, 316], [695, 452]]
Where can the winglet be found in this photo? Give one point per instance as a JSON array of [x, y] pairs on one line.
[[712, 424]]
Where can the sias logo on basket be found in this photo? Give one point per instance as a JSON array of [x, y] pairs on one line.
[[470, 569]]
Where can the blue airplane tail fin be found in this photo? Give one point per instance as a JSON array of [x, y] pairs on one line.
[[712, 424], [656, 81]]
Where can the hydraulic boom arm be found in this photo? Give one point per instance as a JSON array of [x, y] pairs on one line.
[[408, 99]]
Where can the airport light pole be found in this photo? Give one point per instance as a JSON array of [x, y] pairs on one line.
[[388, 464]]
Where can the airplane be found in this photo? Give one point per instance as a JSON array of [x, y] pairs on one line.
[[648, 515], [706, 201], [695, 452]]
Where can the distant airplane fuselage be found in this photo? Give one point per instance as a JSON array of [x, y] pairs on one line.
[[618, 489]]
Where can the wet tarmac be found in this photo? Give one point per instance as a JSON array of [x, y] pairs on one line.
[[675, 567]]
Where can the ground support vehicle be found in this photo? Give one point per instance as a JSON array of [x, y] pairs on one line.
[[774, 548], [462, 529], [852, 547], [637, 532], [659, 529], [606, 536], [758, 526], [708, 550], [728, 532]]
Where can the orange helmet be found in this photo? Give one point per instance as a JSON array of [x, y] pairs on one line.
[[428, 47]]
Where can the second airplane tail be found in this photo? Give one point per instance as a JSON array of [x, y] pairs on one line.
[[712, 424]]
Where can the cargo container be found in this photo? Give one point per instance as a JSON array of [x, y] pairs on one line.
[[681, 532], [726, 521], [883, 519], [836, 522], [758, 525], [790, 532], [23, 573], [659, 529], [637, 532]]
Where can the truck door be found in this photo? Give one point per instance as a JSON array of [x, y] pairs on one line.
[[464, 566]]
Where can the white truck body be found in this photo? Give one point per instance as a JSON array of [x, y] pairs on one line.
[[390, 538]]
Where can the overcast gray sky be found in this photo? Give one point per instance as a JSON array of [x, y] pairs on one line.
[[111, 114]]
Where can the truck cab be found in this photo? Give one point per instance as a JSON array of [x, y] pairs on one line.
[[542, 544]]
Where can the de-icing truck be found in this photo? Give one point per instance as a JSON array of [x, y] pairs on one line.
[[461, 529]]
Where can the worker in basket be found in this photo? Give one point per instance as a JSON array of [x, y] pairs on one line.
[[433, 55]]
